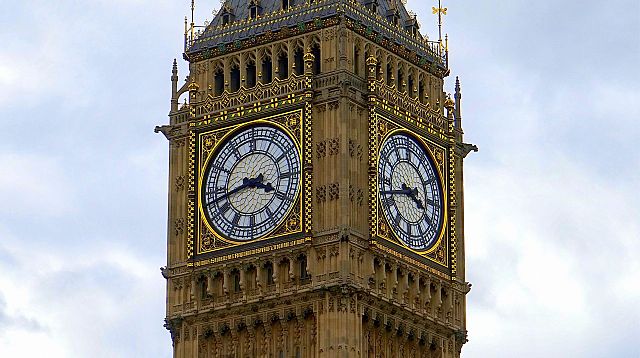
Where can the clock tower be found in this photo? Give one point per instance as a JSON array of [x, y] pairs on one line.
[[315, 186]]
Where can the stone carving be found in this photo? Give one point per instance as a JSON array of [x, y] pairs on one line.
[[179, 226], [355, 150], [180, 183], [321, 149], [334, 146], [334, 191], [321, 194]]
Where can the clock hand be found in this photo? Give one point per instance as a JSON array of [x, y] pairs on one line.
[[258, 184], [405, 191], [393, 192], [413, 194], [248, 183], [267, 187]]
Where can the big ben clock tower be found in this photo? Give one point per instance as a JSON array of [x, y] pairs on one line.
[[315, 194]]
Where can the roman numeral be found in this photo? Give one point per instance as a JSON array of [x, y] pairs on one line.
[[225, 207], [282, 196]]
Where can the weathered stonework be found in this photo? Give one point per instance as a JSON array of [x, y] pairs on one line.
[[332, 281]]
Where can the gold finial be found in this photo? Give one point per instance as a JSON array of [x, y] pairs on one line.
[[193, 25], [440, 11], [449, 103]]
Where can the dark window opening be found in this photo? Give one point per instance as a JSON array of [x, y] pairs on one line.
[[235, 79], [400, 81], [366, 58], [235, 281], [251, 75], [203, 288], [317, 59], [372, 5], [389, 75], [267, 70], [285, 4], [269, 273], [356, 61], [302, 261], [226, 19], [253, 12], [411, 84], [421, 93], [299, 62], [283, 67], [219, 83]]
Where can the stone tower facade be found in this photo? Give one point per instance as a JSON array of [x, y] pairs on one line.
[[331, 274]]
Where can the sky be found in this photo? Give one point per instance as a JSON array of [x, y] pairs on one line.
[[551, 96]]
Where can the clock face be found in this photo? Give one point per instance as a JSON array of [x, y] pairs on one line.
[[251, 182], [410, 192]]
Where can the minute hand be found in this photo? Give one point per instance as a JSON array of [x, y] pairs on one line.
[[411, 193], [246, 183], [398, 192]]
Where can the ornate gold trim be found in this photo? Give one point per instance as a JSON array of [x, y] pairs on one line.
[[384, 128], [210, 141]]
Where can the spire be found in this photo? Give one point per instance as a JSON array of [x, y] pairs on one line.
[[174, 86], [458, 99]]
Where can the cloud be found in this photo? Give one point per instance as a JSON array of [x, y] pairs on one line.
[[551, 199], [549, 94], [17, 322], [110, 296], [34, 185]]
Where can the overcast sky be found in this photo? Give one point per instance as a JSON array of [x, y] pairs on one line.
[[550, 95]]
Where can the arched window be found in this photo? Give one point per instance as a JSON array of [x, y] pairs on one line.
[[235, 281], [235, 78], [371, 5], [227, 15], [410, 88], [317, 59], [267, 70], [283, 66], [356, 61], [219, 82], [268, 269], [202, 282], [302, 268], [251, 74], [255, 9], [400, 80], [299, 61]]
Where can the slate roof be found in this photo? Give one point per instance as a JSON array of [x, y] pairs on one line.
[[272, 18]]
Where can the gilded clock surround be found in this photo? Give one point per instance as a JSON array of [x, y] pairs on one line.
[[437, 253], [208, 141], [330, 281]]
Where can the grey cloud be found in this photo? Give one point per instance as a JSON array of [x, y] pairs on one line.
[[17, 322]]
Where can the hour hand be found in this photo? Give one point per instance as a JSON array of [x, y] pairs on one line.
[[413, 194], [267, 187], [258, 184]]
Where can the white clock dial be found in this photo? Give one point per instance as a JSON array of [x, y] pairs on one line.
[[410, 192], [251, 182]]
